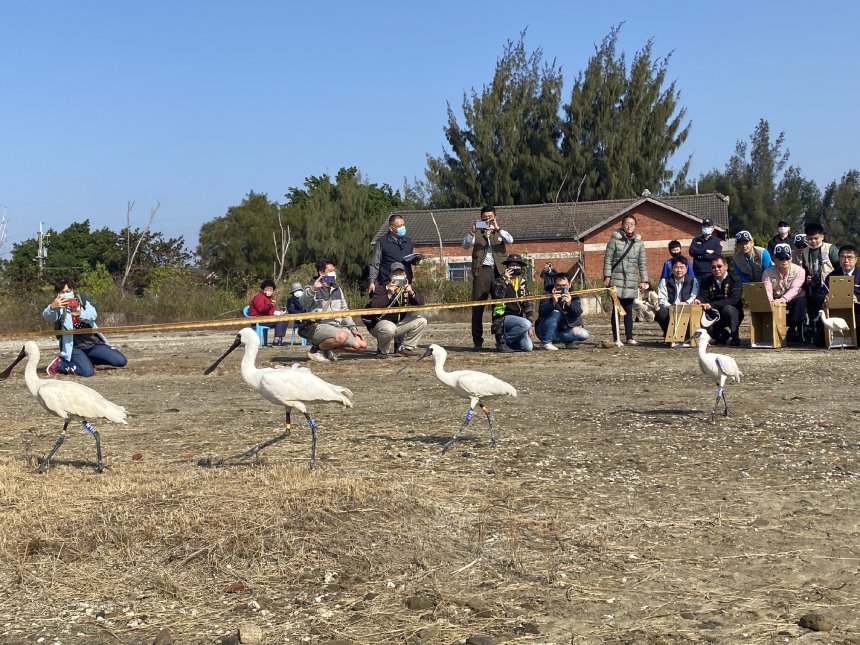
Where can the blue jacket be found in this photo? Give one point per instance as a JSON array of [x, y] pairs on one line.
[[64, 318]]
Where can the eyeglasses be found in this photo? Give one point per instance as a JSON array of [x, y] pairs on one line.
[[717, 267]]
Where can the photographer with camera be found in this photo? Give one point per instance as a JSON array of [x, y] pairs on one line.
[[488, 243], [328, 334], [560, 317], [512, 321], [548, 276], [81, 352], [407, 327]]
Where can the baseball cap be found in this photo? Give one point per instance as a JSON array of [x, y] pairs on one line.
[[782, 223], [743, 236], [396, 266], [782, 251], [707, 222], [800, 240]]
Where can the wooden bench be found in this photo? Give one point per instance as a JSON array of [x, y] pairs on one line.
[[768, 326], [840, 304]]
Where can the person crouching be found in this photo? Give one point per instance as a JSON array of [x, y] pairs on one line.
[[560, 317], [406, 326]]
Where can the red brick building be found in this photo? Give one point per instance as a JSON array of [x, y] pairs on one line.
[[565, 233]]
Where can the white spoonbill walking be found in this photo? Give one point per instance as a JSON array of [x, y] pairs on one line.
[[68, 400], [718, 366], [292, 388], [835, 325], [472, 385]]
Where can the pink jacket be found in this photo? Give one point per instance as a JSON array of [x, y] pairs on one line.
[[783, 286]]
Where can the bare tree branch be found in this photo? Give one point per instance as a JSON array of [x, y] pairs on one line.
[[132, 254], [282, 245]]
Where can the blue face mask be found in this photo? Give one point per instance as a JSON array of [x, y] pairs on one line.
[[401, 231]]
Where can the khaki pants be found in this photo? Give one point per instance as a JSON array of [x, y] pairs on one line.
[[411, 327]]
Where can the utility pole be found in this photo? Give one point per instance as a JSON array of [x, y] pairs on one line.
[[42, 253]]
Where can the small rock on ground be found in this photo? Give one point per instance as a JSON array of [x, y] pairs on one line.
[[816, 622]]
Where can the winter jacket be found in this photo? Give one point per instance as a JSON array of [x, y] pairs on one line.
[[383, 300], [63, 319], [632, 270], [703, 251], [502, 288], [262, 305], [729, 292], [387, 250], [571, 314]]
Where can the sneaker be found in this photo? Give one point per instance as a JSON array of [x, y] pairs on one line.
[[54, 368], [631, 341], [314, 354], [549, 347], [406, 351], [571, 345], [330, 355]]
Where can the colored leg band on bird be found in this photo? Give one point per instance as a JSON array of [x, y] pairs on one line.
[[469, 415], [89, 428], [719, 392]]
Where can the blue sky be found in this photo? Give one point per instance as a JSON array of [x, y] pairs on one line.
[[194, 104]]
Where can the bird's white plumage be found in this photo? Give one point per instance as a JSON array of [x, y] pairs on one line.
[[291, 387], [469, 384], [718, 366], [68, 399], [834, 324]]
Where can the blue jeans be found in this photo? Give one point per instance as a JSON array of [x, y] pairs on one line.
[[517, 333], [553, 329], [83, 360]]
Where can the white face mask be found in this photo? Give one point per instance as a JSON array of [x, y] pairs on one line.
[[297, 293], [707, 230], [269, 292], [783, 230]]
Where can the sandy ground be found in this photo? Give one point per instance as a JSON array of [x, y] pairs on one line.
[[610, 512]]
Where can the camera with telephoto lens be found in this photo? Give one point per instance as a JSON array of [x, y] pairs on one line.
[[482, 224], [399, 281]]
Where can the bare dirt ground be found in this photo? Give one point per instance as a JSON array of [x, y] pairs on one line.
[[610, 512]]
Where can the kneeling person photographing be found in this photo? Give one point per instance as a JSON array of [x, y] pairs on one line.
[[406, 327]]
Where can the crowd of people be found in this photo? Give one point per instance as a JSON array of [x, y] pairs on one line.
[[795, 270]]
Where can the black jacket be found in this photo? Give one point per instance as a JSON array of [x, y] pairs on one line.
[[729, 293]]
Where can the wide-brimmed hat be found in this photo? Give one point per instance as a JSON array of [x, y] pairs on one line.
[[514, 257]]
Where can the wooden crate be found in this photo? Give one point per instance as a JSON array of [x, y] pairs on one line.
[[683, 321], [767, 319], [840, 304]]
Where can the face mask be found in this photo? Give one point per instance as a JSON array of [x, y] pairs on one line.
[[783, 230], [67, 296], [400, 231], [269, 292], [675, 253], [707, 230]]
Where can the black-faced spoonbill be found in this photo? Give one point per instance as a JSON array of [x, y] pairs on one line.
[[472, 385], [718, 366], [292, 388], [68, 400], [835, 325]]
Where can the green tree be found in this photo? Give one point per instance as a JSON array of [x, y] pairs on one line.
[[620, 129], [238, 245], [798, 199], [507, 151], [750, 180], [841, 209], [337, 219]]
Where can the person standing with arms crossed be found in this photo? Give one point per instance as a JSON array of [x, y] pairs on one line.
[[489, 251]]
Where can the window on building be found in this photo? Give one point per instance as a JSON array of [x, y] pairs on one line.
[[459, 271]]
